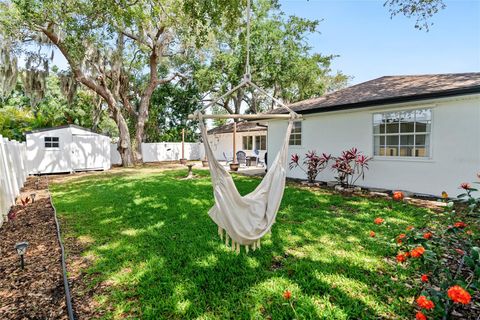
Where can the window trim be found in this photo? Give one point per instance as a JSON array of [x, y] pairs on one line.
[[403, 158], [301, 136], [247, 136], [51, 142], [259, 136]]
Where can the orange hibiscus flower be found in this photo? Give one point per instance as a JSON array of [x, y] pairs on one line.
[[372, 234], [459, 295], [427, 235], [410, 228], [401, 257], [398, 196], [417, 252], [460, 224], [420, 316], [424, 278], [378, 220], [400, 238], [287, 295], [423, 302]]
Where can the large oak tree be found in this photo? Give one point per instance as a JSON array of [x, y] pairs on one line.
[[109, 45]]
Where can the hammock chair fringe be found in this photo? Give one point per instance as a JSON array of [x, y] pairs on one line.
[[236, 246]]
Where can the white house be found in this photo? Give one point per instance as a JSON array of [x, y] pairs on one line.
[[423, 131], [66, 149], [250, 137]]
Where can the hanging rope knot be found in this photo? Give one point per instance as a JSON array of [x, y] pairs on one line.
[[294, 115], [197, 114]]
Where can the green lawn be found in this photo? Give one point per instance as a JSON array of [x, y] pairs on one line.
[[159, 252]]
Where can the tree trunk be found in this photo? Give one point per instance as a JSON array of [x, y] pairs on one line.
[[124, 144], [237, 102], [139, 137], [142, 117], [96, 117]]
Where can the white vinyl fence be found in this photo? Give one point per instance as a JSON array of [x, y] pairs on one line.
[[13, 173], [164, 151], [170, 151]]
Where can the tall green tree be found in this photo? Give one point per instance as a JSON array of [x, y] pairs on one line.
[[170, 106], [281, 61]]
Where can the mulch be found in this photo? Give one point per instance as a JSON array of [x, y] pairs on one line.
[[37, 292]]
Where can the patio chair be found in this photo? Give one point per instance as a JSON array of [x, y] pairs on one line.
[[259, 160], [242, 158], [227, 159]]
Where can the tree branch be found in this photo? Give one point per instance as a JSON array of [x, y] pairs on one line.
[[169, 79], [135, 38], [80, 76]]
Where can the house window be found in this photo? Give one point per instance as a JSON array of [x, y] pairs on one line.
[[402, 134], [247, 142], [261, 142], [52, 142], [296, 135]]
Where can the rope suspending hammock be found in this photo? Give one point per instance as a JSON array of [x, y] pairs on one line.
[[245, 220]]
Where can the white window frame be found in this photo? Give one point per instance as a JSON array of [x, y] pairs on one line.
[[247, 137], [404, 158], [260, 138], [301, 135]]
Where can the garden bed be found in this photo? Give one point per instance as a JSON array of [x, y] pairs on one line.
[[37, 292]]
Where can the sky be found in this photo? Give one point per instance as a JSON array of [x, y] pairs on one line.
[[371, 45]]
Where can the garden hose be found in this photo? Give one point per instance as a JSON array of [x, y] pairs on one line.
[[68, 297]]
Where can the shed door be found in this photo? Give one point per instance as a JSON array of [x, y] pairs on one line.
[[87, 152]]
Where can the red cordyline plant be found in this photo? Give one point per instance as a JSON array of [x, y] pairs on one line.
[[350, 166], [313, 162], [25, 201]]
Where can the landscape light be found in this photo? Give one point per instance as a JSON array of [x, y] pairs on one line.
[[32, 196], [21, 248]]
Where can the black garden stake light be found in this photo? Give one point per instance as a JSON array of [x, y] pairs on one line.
[[21, 248], [32, 196]]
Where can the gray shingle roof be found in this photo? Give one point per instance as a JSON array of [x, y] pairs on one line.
[[391, 89]]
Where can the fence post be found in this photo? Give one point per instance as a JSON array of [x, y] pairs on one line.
[[3, 186], [13, 173]]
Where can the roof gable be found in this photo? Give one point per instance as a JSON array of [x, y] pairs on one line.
[[68, 126]]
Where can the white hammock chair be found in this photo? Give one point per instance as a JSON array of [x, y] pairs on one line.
[[245, 220]]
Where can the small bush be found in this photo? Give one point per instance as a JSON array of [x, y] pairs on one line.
[[446, 257]]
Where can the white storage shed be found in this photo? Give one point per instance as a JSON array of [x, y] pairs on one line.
[[67, 148]]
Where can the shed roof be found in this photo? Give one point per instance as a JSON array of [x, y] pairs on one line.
[[63, 127], [241, 127], [391, 89]]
